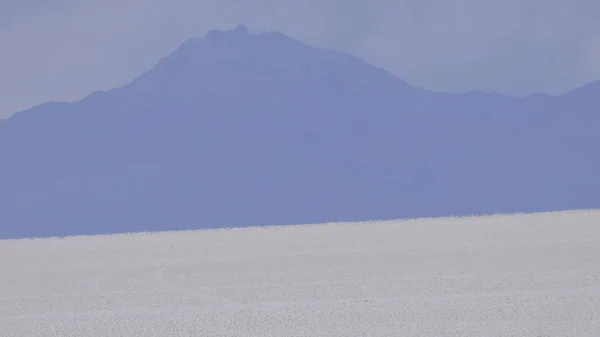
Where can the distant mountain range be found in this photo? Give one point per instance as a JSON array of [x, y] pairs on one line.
[[239, 129]]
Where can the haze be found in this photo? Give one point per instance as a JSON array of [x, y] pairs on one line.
[[63, 50]]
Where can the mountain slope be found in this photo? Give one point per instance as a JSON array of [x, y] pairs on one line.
[[239, 129]]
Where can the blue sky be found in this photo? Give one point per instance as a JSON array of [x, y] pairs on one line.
[[65, 49]]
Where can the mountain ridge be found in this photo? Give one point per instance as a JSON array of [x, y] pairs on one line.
[[241, 129], [241, 32]]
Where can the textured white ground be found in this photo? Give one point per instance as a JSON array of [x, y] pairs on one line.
[[519, 275]]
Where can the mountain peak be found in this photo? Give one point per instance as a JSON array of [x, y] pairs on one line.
[[240, 31], [241, 28], [271, 61]]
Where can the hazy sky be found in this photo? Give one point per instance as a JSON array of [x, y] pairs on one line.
[[64, 49]]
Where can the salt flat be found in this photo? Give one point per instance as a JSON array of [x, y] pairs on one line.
[[532, 275]]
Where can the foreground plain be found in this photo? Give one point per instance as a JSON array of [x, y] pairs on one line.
[[535, 275]]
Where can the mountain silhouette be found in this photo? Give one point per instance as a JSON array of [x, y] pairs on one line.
[[239, 129]]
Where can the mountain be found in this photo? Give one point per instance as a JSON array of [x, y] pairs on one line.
[[239, 129]]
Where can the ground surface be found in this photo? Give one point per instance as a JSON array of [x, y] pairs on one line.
[[522, 275]]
